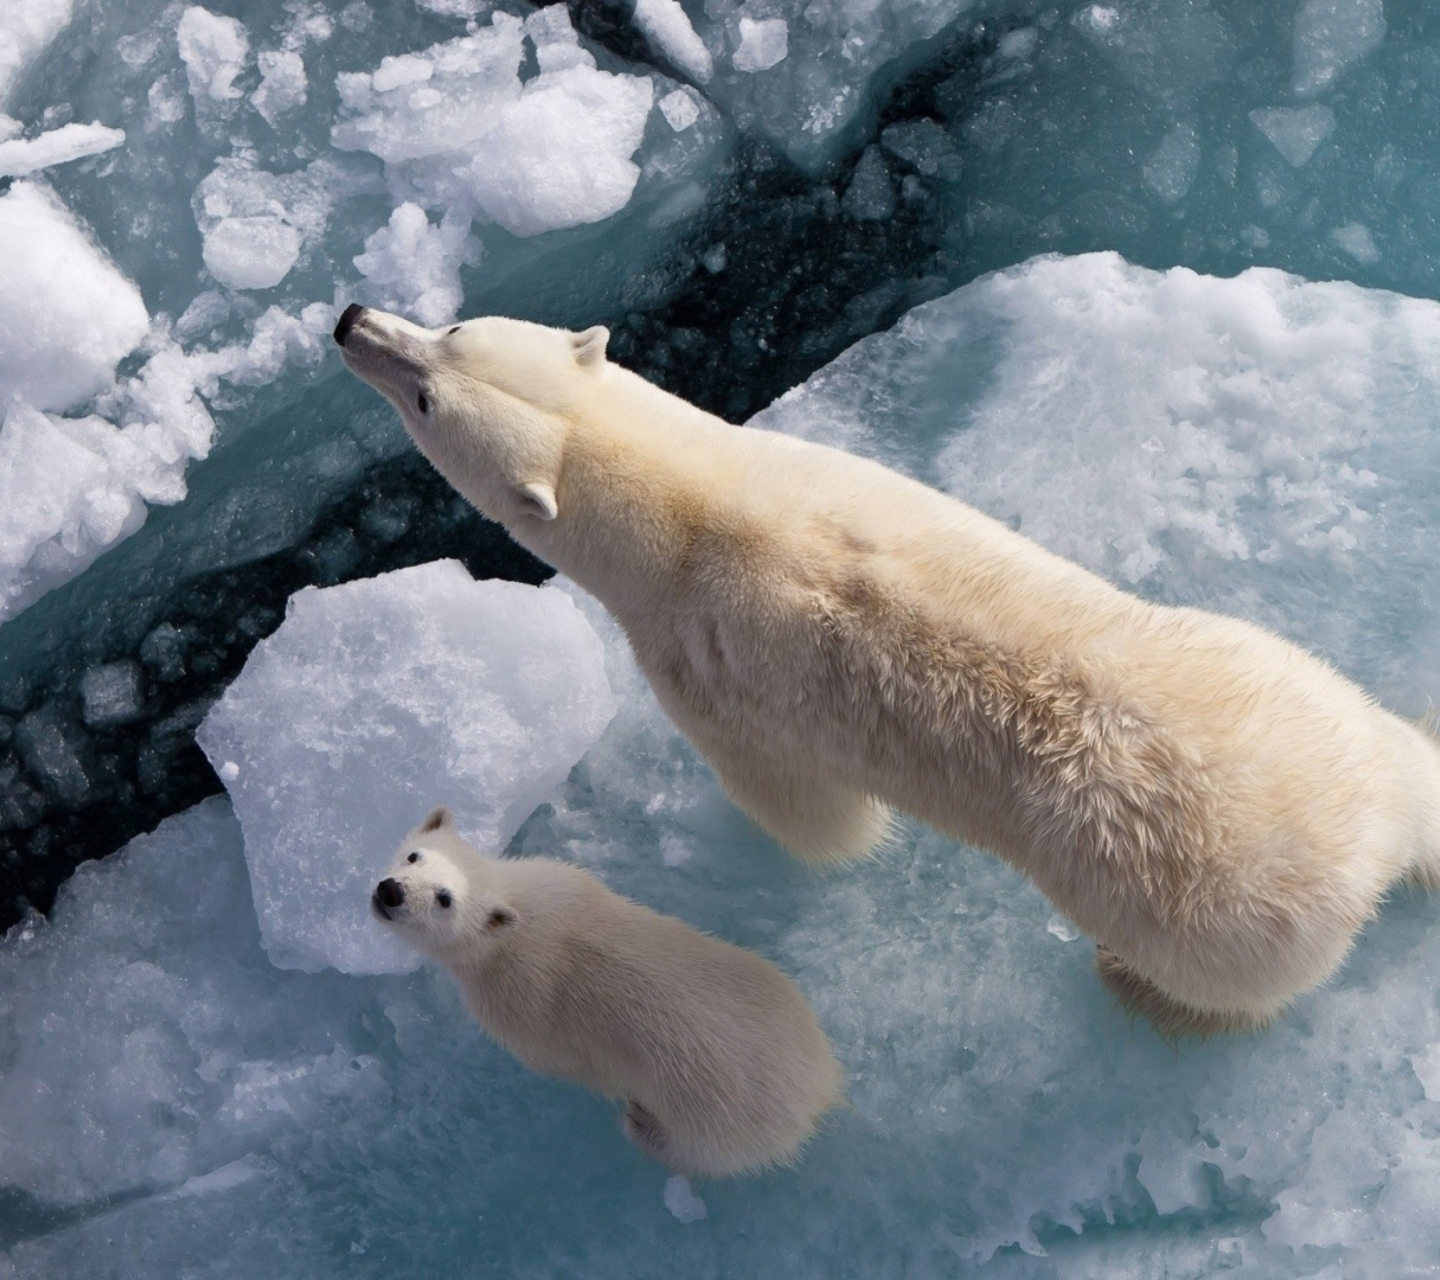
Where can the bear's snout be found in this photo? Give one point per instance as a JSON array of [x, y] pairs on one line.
[[389, 894], [346, 323]]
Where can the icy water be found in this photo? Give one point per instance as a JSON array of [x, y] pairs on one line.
[[1207, 365]]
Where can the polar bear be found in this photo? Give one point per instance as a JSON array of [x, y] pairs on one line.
[[718, 1058], [1218, 809]]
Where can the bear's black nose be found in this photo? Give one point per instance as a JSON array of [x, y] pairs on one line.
[[390, 892], [347, 321]]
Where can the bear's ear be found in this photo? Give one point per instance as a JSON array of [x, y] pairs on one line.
[[590, 345], [538, 499], [441, 817], [499, 917]]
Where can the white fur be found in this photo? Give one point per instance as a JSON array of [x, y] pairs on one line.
[[718, 1058], [1221, 810]]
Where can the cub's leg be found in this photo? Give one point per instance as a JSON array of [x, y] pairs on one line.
[[1171, 1017], [816, 819], [646, 1132]]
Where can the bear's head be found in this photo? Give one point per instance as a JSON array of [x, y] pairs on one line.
[[439, 894], [489, 401]]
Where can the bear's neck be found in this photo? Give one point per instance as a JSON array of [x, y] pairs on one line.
[[645, 475]]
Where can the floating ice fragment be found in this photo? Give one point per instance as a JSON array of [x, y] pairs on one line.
[[871, 195], [1355, 239], [112, 694], [375, 701], [283, 86], [1018, 44], [668, 30], [415, 266], [1059, 927], [251, 253], [228, 771], [213, 49], [764, 43], [22, 156], [680, 109], [67, 316], [1172, 166], [1296, 132], [682, 1201], [1331, 35]]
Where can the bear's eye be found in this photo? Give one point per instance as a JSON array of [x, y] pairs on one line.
[[422, 402], [456, 329], [414, 857], [442, 896]]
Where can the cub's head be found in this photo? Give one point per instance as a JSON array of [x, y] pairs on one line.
[[488, 401], [439, 894]]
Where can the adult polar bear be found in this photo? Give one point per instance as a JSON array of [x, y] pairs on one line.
[[1221, 810]]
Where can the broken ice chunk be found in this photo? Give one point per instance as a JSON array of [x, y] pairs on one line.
[[213, 49], [1296, 132], [21, 156], [112, 694], [764, 43]]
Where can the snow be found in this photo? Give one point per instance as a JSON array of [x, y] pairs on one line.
[[397, 694], [20, 157]]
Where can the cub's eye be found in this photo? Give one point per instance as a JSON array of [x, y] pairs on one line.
[[422, 402], [414, 857], [456, 329], [442, 897]]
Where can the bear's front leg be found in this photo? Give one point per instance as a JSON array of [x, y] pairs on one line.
[[814, 818], [1171, 1018]]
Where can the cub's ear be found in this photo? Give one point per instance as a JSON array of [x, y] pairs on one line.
[[538, 499], [441, 817], [499, 917], [590, 345]]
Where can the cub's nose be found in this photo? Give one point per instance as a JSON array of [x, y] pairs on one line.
[[347, 321], [390, 892]]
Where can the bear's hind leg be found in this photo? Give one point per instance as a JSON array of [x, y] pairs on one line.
[[1171, 1018], [817, 820]]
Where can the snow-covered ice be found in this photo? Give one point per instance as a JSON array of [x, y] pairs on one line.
[[397, 694]]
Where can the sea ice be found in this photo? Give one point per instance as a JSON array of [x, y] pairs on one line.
[[373, 703]]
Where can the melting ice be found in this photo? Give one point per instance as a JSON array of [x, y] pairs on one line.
[[206, 1062]]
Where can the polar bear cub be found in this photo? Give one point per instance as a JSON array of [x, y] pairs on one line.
[[717, 1057], [1219, 810]]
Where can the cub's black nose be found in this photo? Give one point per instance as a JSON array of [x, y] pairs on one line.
[[347, 321], [390, 892]]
